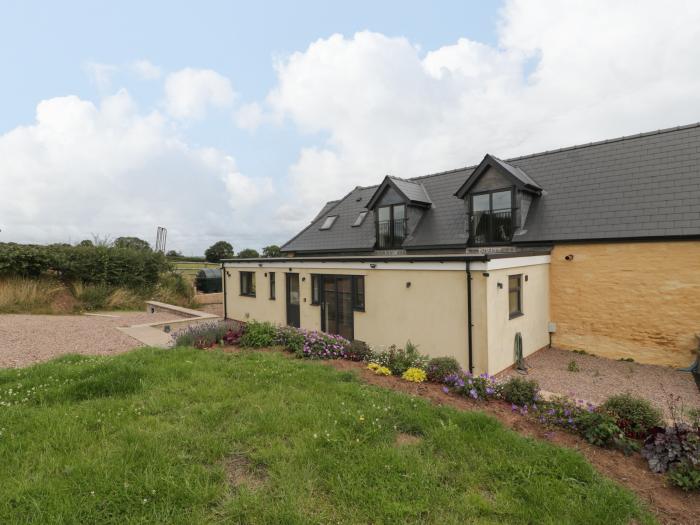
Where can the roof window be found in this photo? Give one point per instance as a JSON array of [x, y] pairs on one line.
[[360, 219], [329, 222]]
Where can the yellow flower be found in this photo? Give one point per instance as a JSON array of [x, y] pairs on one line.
[[362, 418], [416, 375]]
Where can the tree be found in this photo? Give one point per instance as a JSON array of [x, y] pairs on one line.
[[272, 251], [132, 243], [219, 250], [86, 242], [248, 253], [173, 253]]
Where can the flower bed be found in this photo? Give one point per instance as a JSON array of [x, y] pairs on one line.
[[622, 422]]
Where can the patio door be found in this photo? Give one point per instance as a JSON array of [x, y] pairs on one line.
[[336, 311], [292, 297]]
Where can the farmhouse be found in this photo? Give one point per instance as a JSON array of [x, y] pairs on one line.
[[593, 247]]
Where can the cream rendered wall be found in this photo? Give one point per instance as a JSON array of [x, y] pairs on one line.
[[432, 312], [260, 307], [533, 324]]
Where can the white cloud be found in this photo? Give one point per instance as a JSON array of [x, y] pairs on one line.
[[561, 73], [101, 74], [249, 116], [145, 69], [108, 169], [189, 93]]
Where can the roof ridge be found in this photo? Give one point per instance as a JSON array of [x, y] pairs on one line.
[[569, 148], [608, 141]]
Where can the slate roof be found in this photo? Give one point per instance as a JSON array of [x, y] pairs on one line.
[[516, 172], [641, 186], [414, 191]]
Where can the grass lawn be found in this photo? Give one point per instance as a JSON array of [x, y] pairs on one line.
[[187, 436]]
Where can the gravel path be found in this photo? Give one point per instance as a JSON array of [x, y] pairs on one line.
[[28, 339], [598, 378]]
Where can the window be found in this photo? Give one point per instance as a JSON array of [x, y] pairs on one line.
[[391, 226], [248, 284], [360, 219], [515, 295], [315, 289], [358, 293], [328, 222], [273, 291], [491, 217]]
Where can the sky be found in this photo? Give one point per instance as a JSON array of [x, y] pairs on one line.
[[237, 121]]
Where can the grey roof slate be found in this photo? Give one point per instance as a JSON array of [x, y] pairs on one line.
[[646, 185], [414, 191], [517, 173]]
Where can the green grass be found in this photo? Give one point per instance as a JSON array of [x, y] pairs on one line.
[[143, 438]]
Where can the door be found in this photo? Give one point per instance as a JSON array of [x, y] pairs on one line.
[[337, 314], [293, 299]]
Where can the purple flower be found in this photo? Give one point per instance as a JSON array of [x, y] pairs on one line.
[[473, 393], [446, 390]]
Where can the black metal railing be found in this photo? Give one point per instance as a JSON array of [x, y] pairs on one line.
[[390, 234], [491, 227]]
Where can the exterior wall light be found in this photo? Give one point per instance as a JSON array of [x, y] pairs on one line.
[[499, 286], [408, 284], [569, 257], [372, 265]]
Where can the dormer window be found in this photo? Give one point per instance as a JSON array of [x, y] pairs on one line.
[[498, 196], [491, 217], [328, 222], [391, 226]]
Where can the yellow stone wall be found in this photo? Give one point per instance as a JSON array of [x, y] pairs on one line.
[[619, 300]]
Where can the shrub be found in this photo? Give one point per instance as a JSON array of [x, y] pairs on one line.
[[594, 425], [438, 368], [398, 360], [173, 288], [685, 476], [205, 335], [483, 387], [358, 351], [106, 265], [290, 338], [520, 391], [258, 334], [573, 366], [415, 375], [92, 296], [318, 345], [667, 447], [379, 369], [635, 416]]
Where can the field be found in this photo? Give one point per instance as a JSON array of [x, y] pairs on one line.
[[187, 436]]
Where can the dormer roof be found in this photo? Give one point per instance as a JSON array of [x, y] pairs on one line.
[[413, 193], [519, 178]]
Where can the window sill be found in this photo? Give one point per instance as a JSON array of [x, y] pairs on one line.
[[272, 298], [247, 295], [515, 315], [358, 309]]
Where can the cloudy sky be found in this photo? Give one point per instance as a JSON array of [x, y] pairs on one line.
[[237, 120]]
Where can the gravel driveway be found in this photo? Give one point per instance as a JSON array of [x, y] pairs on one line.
[[598, 378], [28, 339]]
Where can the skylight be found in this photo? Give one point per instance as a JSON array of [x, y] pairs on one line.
[[328, 222], [360, 218]]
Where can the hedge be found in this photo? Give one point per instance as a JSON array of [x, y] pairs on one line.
[[88, 264]]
